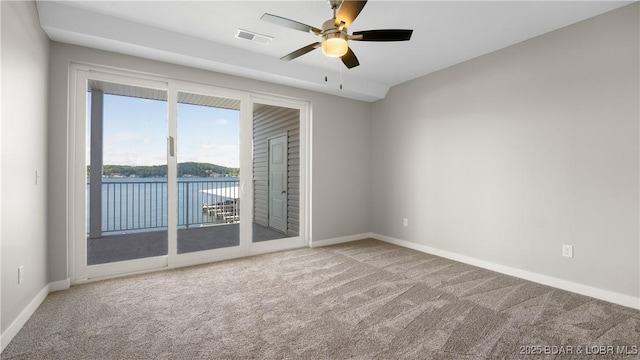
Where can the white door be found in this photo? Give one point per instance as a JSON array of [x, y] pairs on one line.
[[278, 183]]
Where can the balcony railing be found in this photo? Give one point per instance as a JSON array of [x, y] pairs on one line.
[[134, 205]]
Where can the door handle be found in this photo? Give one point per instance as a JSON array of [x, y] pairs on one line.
[[283, 192]]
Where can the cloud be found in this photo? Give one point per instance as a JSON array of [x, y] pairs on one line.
[[214, 153], [216, 147], [222, 121], [125, 136], [133, 157]]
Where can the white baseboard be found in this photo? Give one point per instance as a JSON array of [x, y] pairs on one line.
[[19, 322], [31, 308], [340, 240], [59, 285], [606, 295]]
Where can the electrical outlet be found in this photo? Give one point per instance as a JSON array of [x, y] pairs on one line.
[[405, 222], [567, 250], [20, 274]]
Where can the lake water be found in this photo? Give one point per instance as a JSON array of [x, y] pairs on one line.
[[137, 204]]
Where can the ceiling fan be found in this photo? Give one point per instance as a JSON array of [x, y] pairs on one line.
[[334, 32]]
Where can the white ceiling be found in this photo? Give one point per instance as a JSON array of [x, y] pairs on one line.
[[202, 34]]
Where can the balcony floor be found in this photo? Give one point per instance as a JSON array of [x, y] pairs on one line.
[[120, 247]]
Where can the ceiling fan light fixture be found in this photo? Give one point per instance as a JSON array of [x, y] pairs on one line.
[[334, 32], [335, 45]]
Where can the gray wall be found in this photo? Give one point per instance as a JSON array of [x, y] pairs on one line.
[[25, 64], [506, 157], [270, 121], [340, 146], [502, 158]]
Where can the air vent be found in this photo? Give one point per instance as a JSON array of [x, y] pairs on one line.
[[248, 35]]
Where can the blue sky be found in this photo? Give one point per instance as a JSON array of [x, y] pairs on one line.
[[135, 133]]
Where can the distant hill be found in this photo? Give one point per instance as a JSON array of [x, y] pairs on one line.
[[187, 169]]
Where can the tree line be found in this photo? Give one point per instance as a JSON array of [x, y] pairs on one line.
[[186, 169]]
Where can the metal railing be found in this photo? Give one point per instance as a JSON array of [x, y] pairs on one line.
[[134, 205]]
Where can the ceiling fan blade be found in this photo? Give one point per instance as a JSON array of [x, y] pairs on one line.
[[349, 11], [279, 20], [301, 51], [382, 35], [350, 59]]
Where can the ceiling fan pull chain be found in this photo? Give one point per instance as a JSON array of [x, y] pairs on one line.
[[326, 70], [340, 67]]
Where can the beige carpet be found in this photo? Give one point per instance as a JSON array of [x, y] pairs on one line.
[[361, 300]]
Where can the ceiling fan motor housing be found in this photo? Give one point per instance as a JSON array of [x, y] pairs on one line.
[[334, 39], [337, 34]]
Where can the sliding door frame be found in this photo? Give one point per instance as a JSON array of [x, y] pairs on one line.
[[304, 109], [76, 174], [206, 256], [77, 161]]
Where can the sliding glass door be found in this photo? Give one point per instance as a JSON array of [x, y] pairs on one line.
[[208, 172], [123, 170], [126, 173], [176, 173]]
